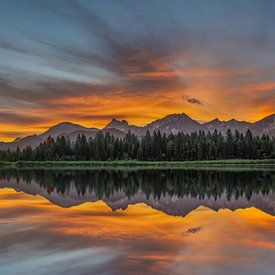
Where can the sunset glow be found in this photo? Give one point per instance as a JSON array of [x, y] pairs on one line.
[[88, 62], [155, 238], [137, 137]]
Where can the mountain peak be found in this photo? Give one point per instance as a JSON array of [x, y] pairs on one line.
[[232, 122], [182, 115], [185, 115], [174, 123], [235, 122], [215, 121], [170, 124], [61, 129], [64, 124], [121, 125], [116, 121]]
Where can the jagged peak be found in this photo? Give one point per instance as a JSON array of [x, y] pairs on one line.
[[121, 121], [232, 120], [213, 121], [216, 120], [115, 121], [172, 123], [184, 114]]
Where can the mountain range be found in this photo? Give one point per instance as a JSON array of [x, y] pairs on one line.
[[170, 124]]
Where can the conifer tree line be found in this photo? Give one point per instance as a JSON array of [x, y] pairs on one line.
[[150, 147]]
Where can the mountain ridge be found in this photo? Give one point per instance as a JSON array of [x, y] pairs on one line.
[[170, 124]]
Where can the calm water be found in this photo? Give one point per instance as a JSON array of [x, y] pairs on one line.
[[137, 222]]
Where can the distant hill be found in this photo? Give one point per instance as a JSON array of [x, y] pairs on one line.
[[170, 124], [223, 126]]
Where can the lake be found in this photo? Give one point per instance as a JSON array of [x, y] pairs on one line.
[[138, 221]]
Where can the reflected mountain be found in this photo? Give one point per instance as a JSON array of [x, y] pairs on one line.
[[174, 192]]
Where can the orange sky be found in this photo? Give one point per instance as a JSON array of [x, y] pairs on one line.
[[139, 109], [89, 62]]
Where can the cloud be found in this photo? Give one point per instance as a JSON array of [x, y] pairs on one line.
[[7, 44], [9, 117], [136, 63], [192, 100], [13, 134], [112, 64], [96, 64]]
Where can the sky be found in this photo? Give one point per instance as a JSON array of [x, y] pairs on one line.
[[90, 61]]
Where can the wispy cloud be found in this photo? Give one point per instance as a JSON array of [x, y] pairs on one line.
[[192, 100], [116, 60]]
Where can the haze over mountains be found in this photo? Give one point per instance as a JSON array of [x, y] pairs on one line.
[[170, 124]]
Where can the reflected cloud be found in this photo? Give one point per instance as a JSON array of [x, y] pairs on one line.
[[91, 238]]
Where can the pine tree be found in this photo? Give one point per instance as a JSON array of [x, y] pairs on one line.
[[155, 147]]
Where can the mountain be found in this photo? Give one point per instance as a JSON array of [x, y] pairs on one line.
[[63, 128], [22, 143], [70, 130], [86, 132], [115, 132], [123, 126], [175, 123], [264, 126], [170, 124], [223, 126]]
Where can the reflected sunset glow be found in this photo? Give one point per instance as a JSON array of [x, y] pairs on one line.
[[136, 235]]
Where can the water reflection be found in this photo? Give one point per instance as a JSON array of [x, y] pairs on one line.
[[37, 236], [175, 192]]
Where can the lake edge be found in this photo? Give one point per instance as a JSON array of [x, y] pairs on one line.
[[268, 164]]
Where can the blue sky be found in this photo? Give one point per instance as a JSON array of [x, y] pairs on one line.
[[89, 61]]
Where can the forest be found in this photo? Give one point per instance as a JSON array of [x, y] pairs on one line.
[[150, 147]]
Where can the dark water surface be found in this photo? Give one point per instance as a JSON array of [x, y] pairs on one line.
[[137, 221]]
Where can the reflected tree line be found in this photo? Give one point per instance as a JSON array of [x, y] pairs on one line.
[[104, 183]]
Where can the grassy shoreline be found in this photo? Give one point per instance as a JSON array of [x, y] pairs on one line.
[[143, 164]]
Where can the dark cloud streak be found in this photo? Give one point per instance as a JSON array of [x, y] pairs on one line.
[[8, 118], [192, 100]]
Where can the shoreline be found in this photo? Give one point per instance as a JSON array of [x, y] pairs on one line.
[[267, 163]]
